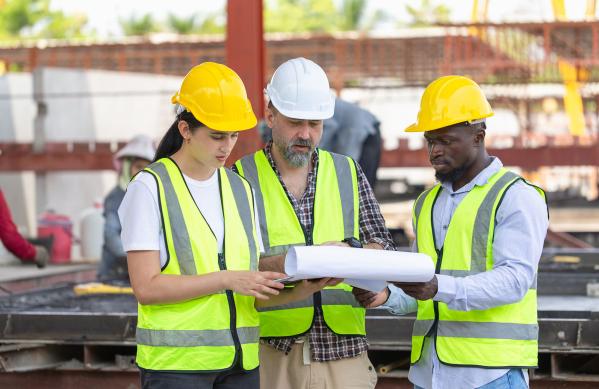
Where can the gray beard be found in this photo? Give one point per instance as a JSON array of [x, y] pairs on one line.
[[295, 159]]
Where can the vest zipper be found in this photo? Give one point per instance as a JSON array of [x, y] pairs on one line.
[[232, 314], [231, 300], [433, 328], [309, 237], [437, 269], [435, 303], [316, 297]]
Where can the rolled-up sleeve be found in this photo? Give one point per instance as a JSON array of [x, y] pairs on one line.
[[400, 303]]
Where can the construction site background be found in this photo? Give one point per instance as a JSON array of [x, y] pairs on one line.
[[75, 87]]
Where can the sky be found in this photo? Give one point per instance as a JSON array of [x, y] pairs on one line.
[[103, 16]]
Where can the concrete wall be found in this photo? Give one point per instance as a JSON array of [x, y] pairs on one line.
[[17, 107], [105, 106], [81, 105], [17, 110]]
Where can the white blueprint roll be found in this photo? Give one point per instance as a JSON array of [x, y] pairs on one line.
[[364, 268]]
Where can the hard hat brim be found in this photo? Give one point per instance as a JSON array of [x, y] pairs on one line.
[[304, 115], [227, 126], [416, 128], [413, 128]]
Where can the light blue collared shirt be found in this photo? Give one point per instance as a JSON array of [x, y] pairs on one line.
[[522, 223]]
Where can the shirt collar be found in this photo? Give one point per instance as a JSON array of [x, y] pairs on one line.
[[481, 178]]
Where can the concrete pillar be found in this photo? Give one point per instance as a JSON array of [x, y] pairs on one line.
[[39, 137]]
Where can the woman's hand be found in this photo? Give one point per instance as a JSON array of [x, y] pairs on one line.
[[307, 288], [369, 299], [259, 284]]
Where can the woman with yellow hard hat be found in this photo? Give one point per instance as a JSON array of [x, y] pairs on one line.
[[190, 231]]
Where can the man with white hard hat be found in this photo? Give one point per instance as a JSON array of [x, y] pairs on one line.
[[128, 161], [307, 196]]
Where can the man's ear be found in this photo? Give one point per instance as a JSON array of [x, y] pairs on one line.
[[269, 117], [479, 137]]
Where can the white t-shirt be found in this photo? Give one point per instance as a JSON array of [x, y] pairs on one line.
[[140, 213]]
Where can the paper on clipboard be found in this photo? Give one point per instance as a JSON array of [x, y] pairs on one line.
[[362, 268]]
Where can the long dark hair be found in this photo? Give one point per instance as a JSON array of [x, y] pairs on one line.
[[171, 141]]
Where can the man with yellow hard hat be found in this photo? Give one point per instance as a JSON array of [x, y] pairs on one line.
[[484, 227]]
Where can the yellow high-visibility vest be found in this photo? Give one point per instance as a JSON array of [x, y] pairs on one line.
[[212, 332], [500, 337], [335, 217]]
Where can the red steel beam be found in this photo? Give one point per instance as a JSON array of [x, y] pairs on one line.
[[245, 55], [565, 239], [526, 158], [57, 157], [445, 54], [98, 156]]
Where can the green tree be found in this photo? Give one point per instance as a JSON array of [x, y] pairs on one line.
[[21, 19], [352, 12], [17, 15], [213, 23], [318, 16], [353, 16], [60, 26], [300, 16], [139, 25], [182, 24], [428, 13]]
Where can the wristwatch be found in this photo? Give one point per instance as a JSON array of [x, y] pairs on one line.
[[353, 242]]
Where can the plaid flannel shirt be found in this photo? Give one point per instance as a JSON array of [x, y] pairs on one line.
[[325, 345]]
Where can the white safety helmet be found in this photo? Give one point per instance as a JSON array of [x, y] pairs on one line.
[[299, 89], [141, 146]]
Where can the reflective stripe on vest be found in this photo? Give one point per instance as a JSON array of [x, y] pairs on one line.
[[194, 338], [197, 335], [335, 217], [504, 336], [480, 330]]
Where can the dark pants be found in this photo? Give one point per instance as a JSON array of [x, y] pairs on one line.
[[232, 379]]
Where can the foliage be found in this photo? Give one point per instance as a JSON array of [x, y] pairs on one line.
[[139, 25], [20, 19], [317, 16], [428, 13]]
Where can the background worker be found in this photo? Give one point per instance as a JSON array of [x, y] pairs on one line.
[[189, 229], [128, 161], [355, 132], [14, 242], [308, 196], [484, 226]]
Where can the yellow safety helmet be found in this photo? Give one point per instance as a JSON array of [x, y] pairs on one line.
[[216, 96], [450, 100]]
